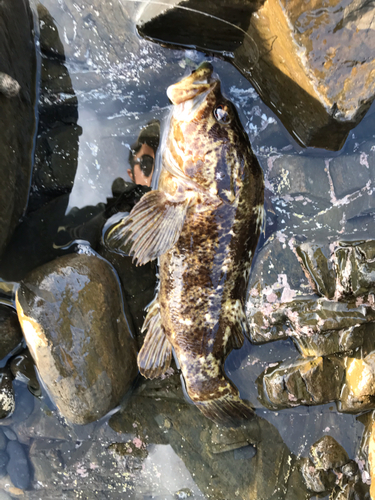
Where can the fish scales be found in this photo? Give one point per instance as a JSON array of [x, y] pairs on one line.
[[204, 223]]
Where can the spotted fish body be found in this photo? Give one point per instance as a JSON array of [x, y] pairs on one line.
[[204, 223]]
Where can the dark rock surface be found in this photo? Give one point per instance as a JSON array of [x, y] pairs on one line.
[[10, 331], [17, 113], [71, 313], [18, 465]]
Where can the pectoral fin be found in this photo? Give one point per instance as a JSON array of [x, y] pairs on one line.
[[156, 354], [152, 228]]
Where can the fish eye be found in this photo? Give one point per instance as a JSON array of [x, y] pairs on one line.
[[221, 113]]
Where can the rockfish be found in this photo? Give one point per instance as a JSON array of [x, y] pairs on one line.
[[203, 222]]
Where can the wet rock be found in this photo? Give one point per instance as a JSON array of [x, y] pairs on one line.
[[71, 313], [17, 116], [298, 175], [308, 381], [351, 490], [281, 302], [317, 96], [56, 148], [327, 453], [23, 369], [355, 269], [317, 480], [318, 267], [24, 402], [358, 392], [10, 331], [42, 424], [46, 460], [18, 465], [157, 413], [7, 402], [56, 159]]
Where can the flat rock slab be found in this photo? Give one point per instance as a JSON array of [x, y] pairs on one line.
[[71, 313], [311, 62]]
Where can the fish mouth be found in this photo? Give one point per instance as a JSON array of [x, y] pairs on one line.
[[197, 83]]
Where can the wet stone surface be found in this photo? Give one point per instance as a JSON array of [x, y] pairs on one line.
[[86, 358]]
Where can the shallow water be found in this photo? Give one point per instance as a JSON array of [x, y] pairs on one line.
[[120, 86]]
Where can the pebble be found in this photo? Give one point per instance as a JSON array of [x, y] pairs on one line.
[[18, 466]]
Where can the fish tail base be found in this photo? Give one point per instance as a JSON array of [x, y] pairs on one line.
[[229, 410]]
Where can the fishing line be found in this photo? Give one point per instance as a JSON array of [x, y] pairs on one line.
[[189, 9]]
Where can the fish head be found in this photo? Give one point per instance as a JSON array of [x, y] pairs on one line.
[[207, 141]]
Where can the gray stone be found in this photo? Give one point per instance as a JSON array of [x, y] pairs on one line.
[[17, 114], [349, 173], [71, 313], [300, 175], [18, 465]]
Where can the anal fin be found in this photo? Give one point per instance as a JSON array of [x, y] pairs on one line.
[[155, 357], [152, 227]]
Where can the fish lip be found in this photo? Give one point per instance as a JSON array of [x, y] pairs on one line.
[[198, 82]]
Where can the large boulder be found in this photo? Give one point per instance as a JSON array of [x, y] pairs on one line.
[[72, 316], [17, 111]]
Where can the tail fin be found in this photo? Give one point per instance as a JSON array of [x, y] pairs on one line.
[[229, 410]]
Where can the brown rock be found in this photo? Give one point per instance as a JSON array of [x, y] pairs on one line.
[[71, 313]]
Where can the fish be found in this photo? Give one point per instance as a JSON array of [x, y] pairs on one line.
[[203, 223]]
